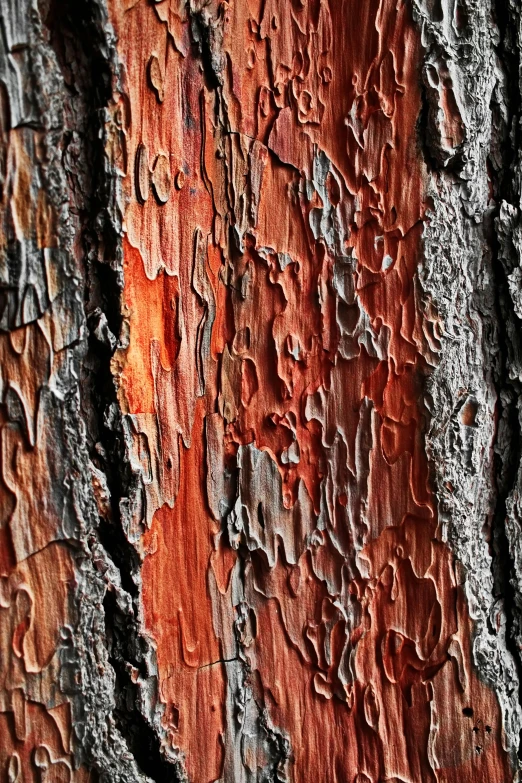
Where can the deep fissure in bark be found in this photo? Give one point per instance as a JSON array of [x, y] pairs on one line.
[[78, 38], [508, 388], [502, 564]]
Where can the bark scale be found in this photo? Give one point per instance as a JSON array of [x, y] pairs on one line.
[[260, 391]]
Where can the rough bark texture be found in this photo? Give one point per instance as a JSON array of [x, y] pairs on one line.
[[260, 391]]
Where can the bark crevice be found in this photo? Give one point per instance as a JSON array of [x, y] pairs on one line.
[[505, 184], [81, 39]]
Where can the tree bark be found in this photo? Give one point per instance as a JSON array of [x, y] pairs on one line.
[[260, 391]]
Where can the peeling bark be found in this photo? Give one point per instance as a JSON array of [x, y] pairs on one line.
[[260, 392]]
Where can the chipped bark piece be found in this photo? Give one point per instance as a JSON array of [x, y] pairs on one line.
[[13, 768], [180, 179], [156, 77], [142, 173], [161, 178]]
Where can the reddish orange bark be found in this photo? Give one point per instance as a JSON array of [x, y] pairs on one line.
[[280, 203], [37, 573]]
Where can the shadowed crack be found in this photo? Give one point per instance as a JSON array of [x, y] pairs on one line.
[[78, 34], [508, 458]]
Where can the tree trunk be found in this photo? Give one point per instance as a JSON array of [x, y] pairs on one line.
[[260, 391]]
